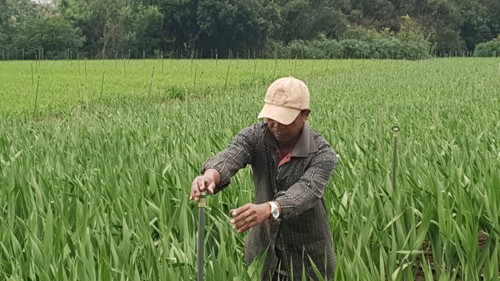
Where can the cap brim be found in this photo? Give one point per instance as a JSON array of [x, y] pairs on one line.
[[283, 115]]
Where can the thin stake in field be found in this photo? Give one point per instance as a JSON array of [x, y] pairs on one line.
[[124, 71], [256, 91], [227, 75], [237, 72], [275, 67], [32, 75], [499, 72], [254, 67], [102, 85], [395, 132], [36, 95], [77, 135], [195, 74], [151, 81]]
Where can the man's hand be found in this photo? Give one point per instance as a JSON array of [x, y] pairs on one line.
[[249, 215], [207, 181]]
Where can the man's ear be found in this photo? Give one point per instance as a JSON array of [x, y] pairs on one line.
[[305, 113]]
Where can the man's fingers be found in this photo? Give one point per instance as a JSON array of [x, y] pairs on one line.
[[238, 225], [195, 190], [211, 188], [246, 224], [244, 218], [206, 184], [247, 227], [200, 184], [248, 216], [195, 195], [240, 221], [239, 211], [234, 212]]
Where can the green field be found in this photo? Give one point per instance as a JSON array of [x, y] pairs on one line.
[[97, 159]]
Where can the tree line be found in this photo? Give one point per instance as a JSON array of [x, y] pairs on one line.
[[245, 28]]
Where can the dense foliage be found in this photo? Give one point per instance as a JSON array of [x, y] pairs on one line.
[[231, 28], [488, 49], [97, 159], [358, 42]]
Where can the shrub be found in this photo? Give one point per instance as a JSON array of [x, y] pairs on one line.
[[300, 49], [330, 48], [355, 48], [408, 43], [358, 43], [488, 49]]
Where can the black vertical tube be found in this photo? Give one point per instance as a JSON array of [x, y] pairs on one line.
[[201, 235]]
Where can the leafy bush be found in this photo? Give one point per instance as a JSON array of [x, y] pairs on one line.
[[488, 49], [408, 43], [358, 43], [331, 48], [355, 48], [300, 49]]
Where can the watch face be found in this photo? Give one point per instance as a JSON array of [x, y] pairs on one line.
[[275, 213]]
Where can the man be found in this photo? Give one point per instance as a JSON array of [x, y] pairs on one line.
[[292, 165]]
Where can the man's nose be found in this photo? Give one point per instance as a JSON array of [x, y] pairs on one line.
[[278, 125]]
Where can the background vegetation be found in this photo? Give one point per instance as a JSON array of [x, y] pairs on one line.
[[244, 28], [489, 49], [97, 158]]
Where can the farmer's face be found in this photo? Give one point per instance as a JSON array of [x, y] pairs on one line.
[[288, 134]]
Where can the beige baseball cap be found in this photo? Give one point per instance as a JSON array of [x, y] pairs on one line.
[[285, 98]]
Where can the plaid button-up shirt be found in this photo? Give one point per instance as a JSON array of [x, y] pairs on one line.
[[303, 233]]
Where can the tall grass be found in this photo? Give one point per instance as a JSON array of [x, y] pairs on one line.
[[95, 186]]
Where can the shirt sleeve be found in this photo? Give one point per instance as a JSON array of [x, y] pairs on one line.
[[235, 157], [310, 188]]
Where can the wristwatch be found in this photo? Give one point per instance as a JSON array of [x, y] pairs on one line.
[[275, 211]]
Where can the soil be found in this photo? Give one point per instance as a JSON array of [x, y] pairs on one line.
[[426, 247]]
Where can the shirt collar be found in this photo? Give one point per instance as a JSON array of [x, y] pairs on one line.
[[304, 146]]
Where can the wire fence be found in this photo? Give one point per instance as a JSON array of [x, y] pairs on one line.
[[8, 54]]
